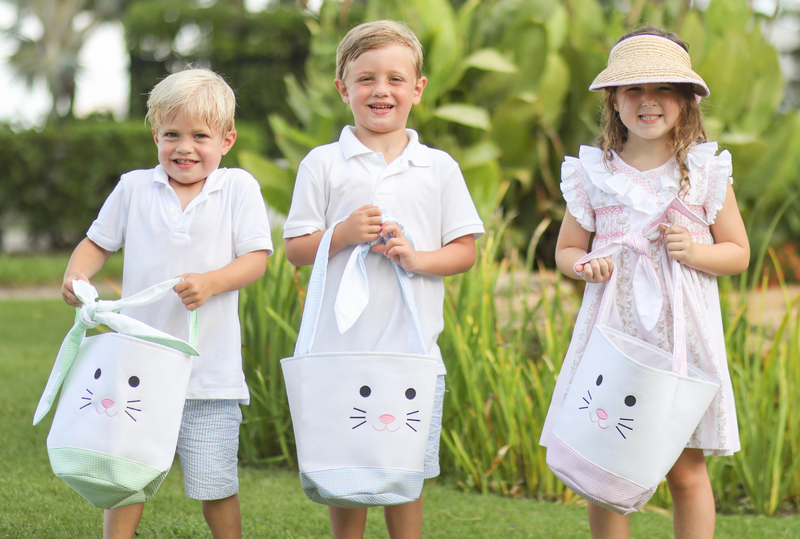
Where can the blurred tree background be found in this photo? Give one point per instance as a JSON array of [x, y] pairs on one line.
[[506, 95]]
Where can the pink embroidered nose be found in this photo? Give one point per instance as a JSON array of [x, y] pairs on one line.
[[602, 413], [107, 403], [386, 419]]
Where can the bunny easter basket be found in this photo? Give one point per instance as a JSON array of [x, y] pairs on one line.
[[115, 429], [631, 407], [361, 419]]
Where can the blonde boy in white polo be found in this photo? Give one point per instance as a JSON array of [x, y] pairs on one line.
[[380, 167], [189, 218]]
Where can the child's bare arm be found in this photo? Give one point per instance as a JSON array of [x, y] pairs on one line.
[[730, 253], [197, 288], [87, 259], [361, 226], [457, 256], [572, 245]]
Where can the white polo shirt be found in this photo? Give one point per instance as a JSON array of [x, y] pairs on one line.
[[226, 220], [425, 191]]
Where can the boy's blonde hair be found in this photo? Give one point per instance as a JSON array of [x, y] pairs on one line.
[[376, 35], [199, 93]]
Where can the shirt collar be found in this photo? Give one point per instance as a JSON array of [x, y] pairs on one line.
[[214, 181], [415, 152]]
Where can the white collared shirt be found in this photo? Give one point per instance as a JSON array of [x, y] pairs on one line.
[[225, 220], [424, 190]]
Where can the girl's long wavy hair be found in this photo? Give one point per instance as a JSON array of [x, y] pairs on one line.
[[688, 131]]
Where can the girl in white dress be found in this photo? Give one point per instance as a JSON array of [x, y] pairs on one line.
[[653, 147]]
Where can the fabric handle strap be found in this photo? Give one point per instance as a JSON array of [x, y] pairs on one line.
[[95, 312], [316, 291], [646, 288]]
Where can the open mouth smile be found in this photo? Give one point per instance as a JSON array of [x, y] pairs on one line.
[[649, 118]]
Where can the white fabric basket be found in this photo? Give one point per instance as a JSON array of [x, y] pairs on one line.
[[631, 407], [115, 429], [361, 419]]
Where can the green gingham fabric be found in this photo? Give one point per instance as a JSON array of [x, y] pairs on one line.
[[106, 481]]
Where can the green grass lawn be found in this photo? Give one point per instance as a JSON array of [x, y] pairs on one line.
[[35, 504]]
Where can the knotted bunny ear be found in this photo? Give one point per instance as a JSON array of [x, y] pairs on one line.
[[647, 291], [353, 295], [93, 313]]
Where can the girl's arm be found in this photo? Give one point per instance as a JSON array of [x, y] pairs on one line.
[[361, 226], [197, 288], [730, 253], [572, 245], [458, 256], [87, 259]]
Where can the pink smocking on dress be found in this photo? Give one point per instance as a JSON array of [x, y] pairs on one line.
[[612, 203]]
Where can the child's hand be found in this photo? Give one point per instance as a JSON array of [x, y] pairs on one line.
[[679, 242], [363, 225], [194, 290], [66, 288], [596, 271], [398, 248]]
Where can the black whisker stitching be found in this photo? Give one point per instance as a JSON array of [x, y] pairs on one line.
[[412, 428], [357, 417], [412, 419], [89, 392], [359, 410], [414, 412], [85, 399], [359, 424], [583, 408], [584, 400], [133, 401], [590, 393], [624, 426], [625, 419], [85, 405], [620, 432], [129, 415], [134, 409]]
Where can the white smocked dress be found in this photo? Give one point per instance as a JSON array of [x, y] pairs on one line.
[[612, 203]]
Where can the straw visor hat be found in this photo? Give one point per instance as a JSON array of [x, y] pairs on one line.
[[645, 59]]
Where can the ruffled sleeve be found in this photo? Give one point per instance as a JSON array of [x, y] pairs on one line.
[[718, 170], [573, 186]]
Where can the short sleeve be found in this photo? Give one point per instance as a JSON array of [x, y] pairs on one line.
[[573, 186], [307, 212], [109, 229], [459, 216], [250, 222], [719, 171]]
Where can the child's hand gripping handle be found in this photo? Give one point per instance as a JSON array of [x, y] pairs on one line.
[[647, 292], [93, 313]]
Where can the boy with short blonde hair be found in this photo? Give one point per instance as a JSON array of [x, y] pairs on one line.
[[189, 218], [379, 168]]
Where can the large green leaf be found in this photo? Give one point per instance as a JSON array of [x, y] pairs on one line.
[[490, 60], [464, 114], [276, 183]]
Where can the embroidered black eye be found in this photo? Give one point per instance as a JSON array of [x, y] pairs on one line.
[[411, 393], [599, 380], [630, 400], [97, 374], [365, 391], [133, 381]]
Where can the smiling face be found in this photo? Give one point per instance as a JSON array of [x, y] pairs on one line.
[[648, 111], [381, 86], [189, 150]]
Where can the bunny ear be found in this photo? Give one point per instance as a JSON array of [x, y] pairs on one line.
[[64, 360], [676, 204]]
